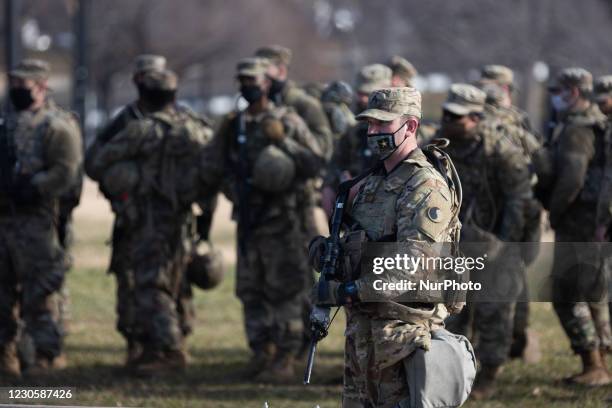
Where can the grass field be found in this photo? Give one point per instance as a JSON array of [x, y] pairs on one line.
[[96, 351]]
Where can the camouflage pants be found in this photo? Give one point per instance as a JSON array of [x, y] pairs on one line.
[[32, 267], [159, 256], [586, 323], [272, 279], [126, 302]]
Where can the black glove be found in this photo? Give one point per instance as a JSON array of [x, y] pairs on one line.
[[25, 193], [335, 293]]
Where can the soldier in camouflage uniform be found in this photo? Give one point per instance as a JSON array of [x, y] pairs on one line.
[[524, 341], [578, 155], [496, 186], [403, 71], [420, 206], [352, 156], [262, 157], [41, 155], [159, 156], [503, 77], [337, 98]]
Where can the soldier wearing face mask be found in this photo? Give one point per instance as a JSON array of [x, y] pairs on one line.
[[496, 187], [112, 181], [352, 155], [261, 158], [577, 153], [40, 154]]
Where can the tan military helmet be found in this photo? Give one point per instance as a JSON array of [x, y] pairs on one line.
[[149, 62], [402, 68], [373, 77], [252, 67], [277, 54], [273, 171], [498, 74], [391, 103], [464, 99], [576, 76], [603, 87], [164, 80], [31, 68]]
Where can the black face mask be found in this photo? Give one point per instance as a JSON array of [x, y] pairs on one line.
[[276, 87], [251, 93], [21, 98], [156, 98]]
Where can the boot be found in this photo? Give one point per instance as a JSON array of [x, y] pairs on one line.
[[282, 371], [9, 362], [484, 385], [594, 373], [152, 363], [261, 360], [604, 361]]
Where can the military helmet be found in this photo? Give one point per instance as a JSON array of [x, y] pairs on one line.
[[338, 92], [31, 68], [120, 178], [206, 269], [274, 170]]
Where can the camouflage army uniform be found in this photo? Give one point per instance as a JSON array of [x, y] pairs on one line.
[[120, 263], [382, 336], [48, 152], [529, 144], [578, 152], [272, 272], [495, 181], [165, 148]]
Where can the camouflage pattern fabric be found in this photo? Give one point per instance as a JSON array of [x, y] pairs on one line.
[[32, 262], [579, 151], [376, 343], [271, 283]]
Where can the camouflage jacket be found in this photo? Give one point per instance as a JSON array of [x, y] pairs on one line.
[[48, 150], [221, 164], [578, 152], [413, 203], [311, 111], [511, 127], [604, 203], [496, 181], [165, 149]]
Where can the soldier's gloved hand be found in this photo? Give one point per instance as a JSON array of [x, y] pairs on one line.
[[316, 250], [26, 193], [273, 128], [333, 293]]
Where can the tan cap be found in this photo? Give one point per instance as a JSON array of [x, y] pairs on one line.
[[603, 87], [277, 54], [149, 62], [499, 74], [402, 68], [464, 99], [373, 77], [576, 76], [31, 69], [252, 67], [390, 103], [165, 80]]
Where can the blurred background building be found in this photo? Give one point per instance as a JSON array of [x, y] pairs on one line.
[[446, 40]]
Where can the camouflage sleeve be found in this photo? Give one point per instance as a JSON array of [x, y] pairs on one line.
[[511, 171], [313, 114], [213, 172], [302, 146], [107, 133], [339, 162], [424, 208], [64, 155], [604, 202], [576, 149]]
